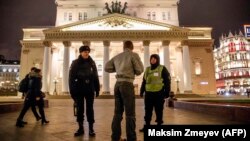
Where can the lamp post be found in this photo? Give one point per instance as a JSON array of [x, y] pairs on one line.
[[177, 80], [55, 82]]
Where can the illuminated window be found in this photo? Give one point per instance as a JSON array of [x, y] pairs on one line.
[[80, 16], [163, 16], [99, 14], [85, 16], [197, 68], [135, 14], [153, 16], [65, 16], [169, 16], [70, 16], [149, 15]]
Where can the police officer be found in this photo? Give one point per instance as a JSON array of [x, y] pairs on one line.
[[156, 86], [84, 85]]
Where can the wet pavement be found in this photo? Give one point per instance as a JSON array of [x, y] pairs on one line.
[[63, 123]]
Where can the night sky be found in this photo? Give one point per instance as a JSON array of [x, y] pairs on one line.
[[222, 15]]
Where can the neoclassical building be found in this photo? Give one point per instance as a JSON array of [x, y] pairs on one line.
[[152, 25], [232, 65]]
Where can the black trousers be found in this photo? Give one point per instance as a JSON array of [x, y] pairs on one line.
[[27, 104], [80, 101], [154, 101], [40, 104]]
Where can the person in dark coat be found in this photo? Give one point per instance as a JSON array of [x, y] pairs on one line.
[[84, 86], [33, 97], [156, 85], [33, 108]]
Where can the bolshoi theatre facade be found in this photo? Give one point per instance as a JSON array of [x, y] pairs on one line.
[[152, 25]]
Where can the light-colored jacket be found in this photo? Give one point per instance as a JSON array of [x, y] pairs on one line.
[[126, 65]]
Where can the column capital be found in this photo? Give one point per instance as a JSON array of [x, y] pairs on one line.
[[146, 42], [106, 43], [26, 51], [184, 43], [86, 43], [66, 43], [47, 43], [165, 43]]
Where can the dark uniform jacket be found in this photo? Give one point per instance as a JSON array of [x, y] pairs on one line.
[[83, 77], [34, 86]]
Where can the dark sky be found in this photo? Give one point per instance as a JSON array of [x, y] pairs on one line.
[[222, 15]]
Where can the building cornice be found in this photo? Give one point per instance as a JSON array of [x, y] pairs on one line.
[[32, 44], [200, 43], [115, 35]]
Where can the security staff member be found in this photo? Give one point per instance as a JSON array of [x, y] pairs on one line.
[[156, 86], [84, 85]]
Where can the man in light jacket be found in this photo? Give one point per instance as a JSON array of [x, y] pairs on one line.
[[126, 65]]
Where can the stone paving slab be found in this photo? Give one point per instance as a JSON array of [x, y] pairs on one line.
[[63, 124]]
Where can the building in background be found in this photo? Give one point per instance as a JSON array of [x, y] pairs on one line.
[[152, 25], [9, 76], [232, 64]]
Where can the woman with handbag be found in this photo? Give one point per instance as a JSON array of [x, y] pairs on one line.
[[33, 97]]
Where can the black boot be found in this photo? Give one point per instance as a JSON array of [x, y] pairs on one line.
[[91, 130], [19, 123], [80, 131], [44, 121]]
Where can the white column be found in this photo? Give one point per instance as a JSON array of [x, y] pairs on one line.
[[45, 69], [179, 67], [187, 70], [146, 44], [106, 77], [66, 57], [166, 55], [54, 70]]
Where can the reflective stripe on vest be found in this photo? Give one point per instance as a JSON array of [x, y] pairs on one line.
[[154, 81]]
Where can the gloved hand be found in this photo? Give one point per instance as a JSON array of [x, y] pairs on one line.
[[96, 94]]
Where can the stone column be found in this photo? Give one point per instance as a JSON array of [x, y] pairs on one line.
[[166, 55], [186, 68], [146, 44], [66, 57], [179, 67], [54, 70], [106, 77], [46, 66]]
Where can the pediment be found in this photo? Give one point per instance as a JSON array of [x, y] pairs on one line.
[[115, 22]]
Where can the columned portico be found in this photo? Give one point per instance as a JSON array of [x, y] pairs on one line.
[[146, 44], [166, 55], [187, 70], [104, 33], [46, 66], [65, 76], [106, 77]]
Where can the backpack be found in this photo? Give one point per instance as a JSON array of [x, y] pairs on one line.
[[23, 85]]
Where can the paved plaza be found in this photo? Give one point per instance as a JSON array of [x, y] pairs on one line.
[[63, 124]]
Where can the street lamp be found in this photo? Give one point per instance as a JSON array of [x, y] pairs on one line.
[[177, 80], [55, 82]]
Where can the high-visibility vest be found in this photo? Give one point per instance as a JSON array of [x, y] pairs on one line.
[[154, 81]]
